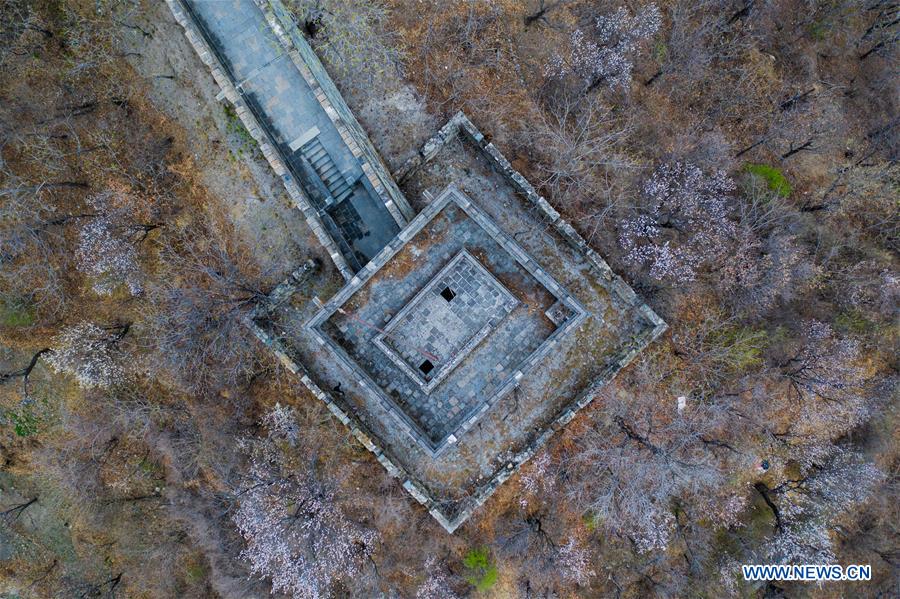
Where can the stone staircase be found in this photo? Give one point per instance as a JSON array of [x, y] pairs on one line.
[[327, 170]]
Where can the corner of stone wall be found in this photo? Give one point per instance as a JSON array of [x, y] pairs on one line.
[[346, 417]]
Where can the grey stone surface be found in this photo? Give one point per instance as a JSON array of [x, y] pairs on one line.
[[444, 329], [485, 338], [211, 58]]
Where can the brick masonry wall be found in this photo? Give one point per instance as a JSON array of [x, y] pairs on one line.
[[460, 125], [304, 57]]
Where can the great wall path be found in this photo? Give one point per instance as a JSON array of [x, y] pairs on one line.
[[289, 104]]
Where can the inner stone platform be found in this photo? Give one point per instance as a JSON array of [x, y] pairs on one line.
[[445, 321]]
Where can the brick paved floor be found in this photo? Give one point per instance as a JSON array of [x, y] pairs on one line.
[[446, 320]]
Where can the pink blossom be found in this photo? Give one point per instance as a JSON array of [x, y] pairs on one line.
[[687, 223], [295, 532], [606, 56]]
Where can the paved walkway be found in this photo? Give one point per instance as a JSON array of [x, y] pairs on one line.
[[286, 106]]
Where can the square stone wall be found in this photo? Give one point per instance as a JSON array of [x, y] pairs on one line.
[[574, 367], [486, 355]]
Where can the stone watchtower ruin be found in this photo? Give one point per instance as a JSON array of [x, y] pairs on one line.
[[466, 334]]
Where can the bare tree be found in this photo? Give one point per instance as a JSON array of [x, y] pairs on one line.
[[638, 455], [295, 532], [353, 35], [32, 244], [24, 372], [696, 31], [21, 31], [196, 328], [583, 160], [865, 195], [540, 12], [717, 349], [883, 32]]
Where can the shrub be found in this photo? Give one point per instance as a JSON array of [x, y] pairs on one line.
[[16, 313], [774, 178], [195, 570], [235, 127], [25, 423], [741, 347], [31, 416], [481, 572], [853, 321]]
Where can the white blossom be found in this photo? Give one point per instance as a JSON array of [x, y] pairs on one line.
[[281, 422], [829, 377], [606, 54], [536, 479], [437, 585], [729, 570], [88, 353], [575, 562], [808, 508], [654, 531], [685, 203], [105, 255], [727, 513]]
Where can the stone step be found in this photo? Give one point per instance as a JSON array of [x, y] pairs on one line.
[[340, 185], [328, 171], [307, 138], [342, 195], [321, 162], [309, 142], [316, 155]]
